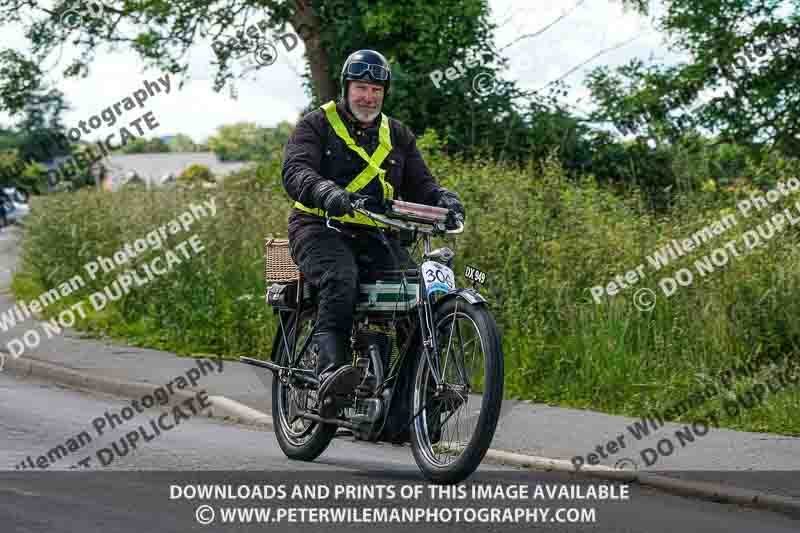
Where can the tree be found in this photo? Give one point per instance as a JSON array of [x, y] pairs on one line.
[[11, 168], [141, 145], [417, 36], [743, 81], [33, 179], [30, 177], [10, 139], [237, 142], [274, 140], [41, 126], [182, 143]]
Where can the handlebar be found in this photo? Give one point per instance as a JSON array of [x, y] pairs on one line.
[[411, 216]]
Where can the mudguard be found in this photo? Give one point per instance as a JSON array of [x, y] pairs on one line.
[[468, 294]]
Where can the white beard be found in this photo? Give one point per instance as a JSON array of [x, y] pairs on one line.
[[364, 117]]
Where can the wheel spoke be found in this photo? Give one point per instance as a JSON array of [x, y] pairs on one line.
[[455, 405], [293, 399], [462, 369], [474, 332], [449, 342], [451, 437], [444, 424]]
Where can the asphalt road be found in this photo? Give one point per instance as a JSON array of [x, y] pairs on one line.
[[133, 493]]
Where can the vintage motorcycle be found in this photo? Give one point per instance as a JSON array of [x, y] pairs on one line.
[[429, 353]]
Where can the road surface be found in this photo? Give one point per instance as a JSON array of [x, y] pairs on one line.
[[132, 493]]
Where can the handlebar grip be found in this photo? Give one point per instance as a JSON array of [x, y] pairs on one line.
[[459, 229]]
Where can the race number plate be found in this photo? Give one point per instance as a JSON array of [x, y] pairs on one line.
[[438, 277]]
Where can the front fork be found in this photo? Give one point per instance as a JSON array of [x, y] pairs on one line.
[[428, 335], [430, 346]]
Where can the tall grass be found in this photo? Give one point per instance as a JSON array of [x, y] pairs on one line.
[[544, 241]]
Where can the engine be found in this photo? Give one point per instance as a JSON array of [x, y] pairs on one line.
[[368, 410]]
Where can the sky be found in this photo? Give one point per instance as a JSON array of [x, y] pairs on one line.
[[275, 93]]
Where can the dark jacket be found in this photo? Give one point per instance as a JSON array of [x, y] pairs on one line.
[[314, 152]]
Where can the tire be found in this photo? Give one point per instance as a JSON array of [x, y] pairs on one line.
[[473, 449], [304, 440]]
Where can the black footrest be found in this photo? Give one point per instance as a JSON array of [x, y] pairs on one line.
[[269, 365]]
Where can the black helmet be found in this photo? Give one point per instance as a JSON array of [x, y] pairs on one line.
[[366, 65]]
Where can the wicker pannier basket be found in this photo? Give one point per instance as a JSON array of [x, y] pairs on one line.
[[278, 264]]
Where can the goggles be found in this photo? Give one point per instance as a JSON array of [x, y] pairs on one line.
[[359, 69]]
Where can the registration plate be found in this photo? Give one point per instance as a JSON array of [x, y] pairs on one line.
[[438, 277]]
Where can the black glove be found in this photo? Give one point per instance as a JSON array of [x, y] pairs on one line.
[[373, 204], [449, 200], [339, 203], [333, 199]]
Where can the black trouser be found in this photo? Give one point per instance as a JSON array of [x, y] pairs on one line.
[[329, 260]]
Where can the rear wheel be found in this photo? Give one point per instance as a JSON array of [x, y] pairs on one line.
[[299, 438], [456, 423]]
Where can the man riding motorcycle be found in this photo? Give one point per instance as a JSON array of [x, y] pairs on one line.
[[341, 152]]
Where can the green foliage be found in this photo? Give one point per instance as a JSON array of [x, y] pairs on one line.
[[140, 145], [33, 179], [182, 143], [196, 174], [20, 77], [27, 176], [560, 236], [745, 47], [417, 36], [9, 139], [40, 126], [245, 141], [422, 40], [265, 177], [226, 316], [691, 154], [11, 168]]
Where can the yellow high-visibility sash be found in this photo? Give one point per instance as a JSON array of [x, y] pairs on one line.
[[365, 176]]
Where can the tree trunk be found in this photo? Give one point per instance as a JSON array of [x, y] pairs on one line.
[[307, 26]]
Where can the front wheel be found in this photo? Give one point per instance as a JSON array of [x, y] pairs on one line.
[[455, 422]]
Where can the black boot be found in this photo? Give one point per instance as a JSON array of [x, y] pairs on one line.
[[337, 377]]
